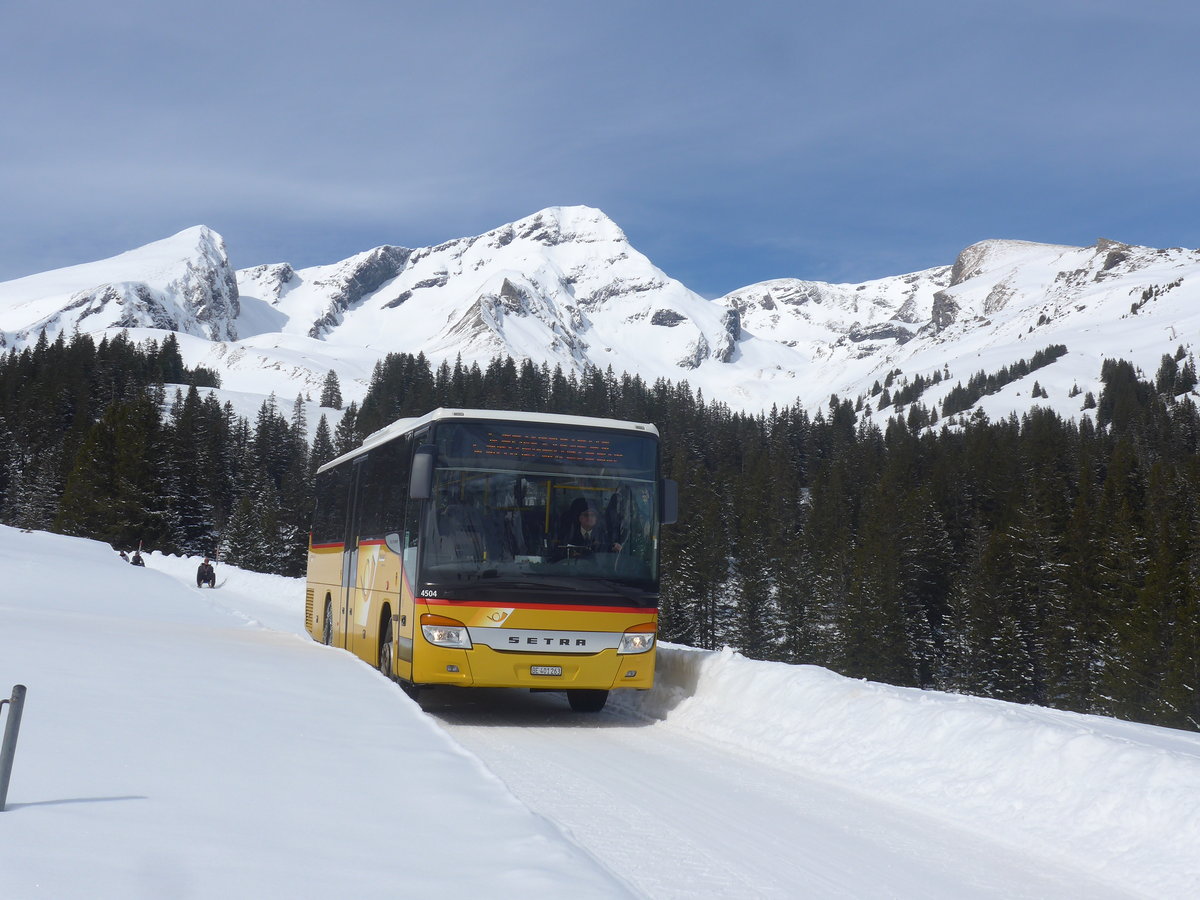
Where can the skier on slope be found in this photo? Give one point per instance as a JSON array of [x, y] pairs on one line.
[[206, 575]]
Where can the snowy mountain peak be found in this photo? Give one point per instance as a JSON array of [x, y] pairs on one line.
[[564, 287], [568, 224], [183, 283], [987, 255]]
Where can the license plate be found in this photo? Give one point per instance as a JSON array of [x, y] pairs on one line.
[[545, 670]]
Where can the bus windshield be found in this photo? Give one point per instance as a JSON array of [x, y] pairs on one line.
[[527, 507]]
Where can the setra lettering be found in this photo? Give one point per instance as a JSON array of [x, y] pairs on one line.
[[535, 641]]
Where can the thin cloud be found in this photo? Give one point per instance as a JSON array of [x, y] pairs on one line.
[[732, 142]]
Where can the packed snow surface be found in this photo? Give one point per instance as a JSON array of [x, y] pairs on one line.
[[179, 742]]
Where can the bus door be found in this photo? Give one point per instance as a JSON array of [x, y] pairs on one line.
[[410, 540], [349, 560]]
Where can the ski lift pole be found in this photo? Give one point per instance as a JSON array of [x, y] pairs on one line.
[[8, 748]]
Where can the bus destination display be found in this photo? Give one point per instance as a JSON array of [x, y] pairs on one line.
[[570, 448]]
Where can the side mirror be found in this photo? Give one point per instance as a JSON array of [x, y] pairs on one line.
[[420, 483], [668, 493], [393, 542]]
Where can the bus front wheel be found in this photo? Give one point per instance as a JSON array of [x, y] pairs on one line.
[[385, 653], [587, 701]]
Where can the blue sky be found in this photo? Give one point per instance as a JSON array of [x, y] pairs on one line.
[[732, 141]]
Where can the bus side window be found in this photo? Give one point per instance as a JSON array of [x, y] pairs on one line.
[[329, 515], [383, 493]]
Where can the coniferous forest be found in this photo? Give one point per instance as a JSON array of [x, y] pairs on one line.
[[1036, 560]]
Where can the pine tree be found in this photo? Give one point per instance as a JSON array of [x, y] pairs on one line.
[[1122, 562], [1168, 371], [925, 569], [322, 447], [1179, 696], [1185, 382], [1004, 648], [331, 391], [35, 488], [960, 663], [875, 640], [1151, 627], [828, 546], [189, 472], [345, 435], [273, 444], [296, 495], [696, 549], [115, 489], [9, 456], [1081, 635], [242, 542], [759, 625], [169, 363]]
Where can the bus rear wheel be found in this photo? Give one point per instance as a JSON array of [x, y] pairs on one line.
[[587, 701]]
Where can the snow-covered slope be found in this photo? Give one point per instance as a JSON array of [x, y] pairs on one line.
[[183, 283], [1009, 299], [564, 287], [185, 749]]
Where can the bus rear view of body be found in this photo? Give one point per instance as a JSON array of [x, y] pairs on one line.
[[481, 548]]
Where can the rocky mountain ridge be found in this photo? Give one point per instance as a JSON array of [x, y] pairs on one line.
[[564, 287], [184, 284]]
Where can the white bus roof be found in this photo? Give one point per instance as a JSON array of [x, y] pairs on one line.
[[404, 426]]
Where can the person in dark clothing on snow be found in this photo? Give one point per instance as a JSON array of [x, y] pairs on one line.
[[137, 559], [206, 575]]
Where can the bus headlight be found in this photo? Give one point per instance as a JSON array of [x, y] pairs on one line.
[[444, 632], [638, 639]]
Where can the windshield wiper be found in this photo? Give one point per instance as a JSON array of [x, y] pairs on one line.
[[583, 585], [546, 584], [623, 588]]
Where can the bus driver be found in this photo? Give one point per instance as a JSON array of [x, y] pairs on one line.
[[587, 529]]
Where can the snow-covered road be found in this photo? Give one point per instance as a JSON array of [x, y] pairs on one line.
[[681, 817]]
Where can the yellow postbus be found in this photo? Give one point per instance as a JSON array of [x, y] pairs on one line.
[[482, 548]]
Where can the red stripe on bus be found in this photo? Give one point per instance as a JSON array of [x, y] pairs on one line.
[[331, 546], [568, 608]]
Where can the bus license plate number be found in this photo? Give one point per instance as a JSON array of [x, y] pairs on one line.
[[545, 670]]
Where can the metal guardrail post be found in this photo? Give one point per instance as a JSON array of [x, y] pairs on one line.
[[8, 748]]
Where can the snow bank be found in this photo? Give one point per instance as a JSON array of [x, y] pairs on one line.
[[171, 749], [1114, 797]]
